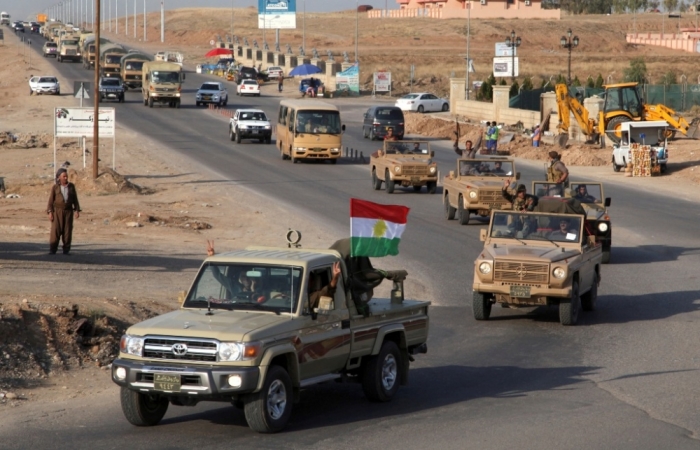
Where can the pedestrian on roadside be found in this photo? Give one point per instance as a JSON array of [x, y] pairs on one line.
[[494, 138], [487, 137], [280, 82], [536, 136], [63, 203]]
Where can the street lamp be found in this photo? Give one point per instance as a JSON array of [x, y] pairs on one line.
[[569, 43], [357, 28], [469, 19], [513, 42]]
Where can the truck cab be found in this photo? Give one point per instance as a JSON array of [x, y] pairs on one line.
[[161, 82], [68, 49], [652, 134]]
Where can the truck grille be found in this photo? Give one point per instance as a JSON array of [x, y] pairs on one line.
[[414, 170], [70, 51], [165, 90], [521, 272], [185, 380], [172, 349], [492, 197]]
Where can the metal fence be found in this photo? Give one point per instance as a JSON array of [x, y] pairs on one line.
[[530, 100]]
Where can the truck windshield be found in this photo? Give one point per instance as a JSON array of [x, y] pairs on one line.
[[69, 42], [166, 77], [548, 227], [113, 59], [318, 122], [134, 65], [246, 287]]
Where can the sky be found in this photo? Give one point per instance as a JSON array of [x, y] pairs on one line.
[[27, 9]]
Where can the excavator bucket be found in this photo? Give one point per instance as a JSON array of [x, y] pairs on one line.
[[693, 131], [562, 140]]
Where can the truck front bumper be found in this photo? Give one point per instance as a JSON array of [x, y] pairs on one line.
[[201, 382], [415, 180], [538, 294]]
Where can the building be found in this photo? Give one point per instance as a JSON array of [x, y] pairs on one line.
[[480, 9]]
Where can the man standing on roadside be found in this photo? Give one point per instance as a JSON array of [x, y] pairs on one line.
[[280, 82], [63, 202]]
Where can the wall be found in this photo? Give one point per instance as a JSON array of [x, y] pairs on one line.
[[498, 110], [454, 9], [687, 42]]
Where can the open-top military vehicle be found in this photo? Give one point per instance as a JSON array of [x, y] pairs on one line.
[[404, 163], [476, 187], [593, 200], [538, 258], [248, 333]]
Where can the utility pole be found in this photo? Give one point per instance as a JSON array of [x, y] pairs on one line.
[[469, 20], [96, 97], [162, 21]]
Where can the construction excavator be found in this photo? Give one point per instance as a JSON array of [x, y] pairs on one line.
[[622, 104]]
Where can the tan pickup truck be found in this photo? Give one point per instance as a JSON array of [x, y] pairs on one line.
[[404, 163], [538, 258], [476, 187], [247, 334], [592, 198]]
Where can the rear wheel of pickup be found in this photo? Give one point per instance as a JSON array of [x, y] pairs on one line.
[[569, 307], [142, 410], [389, 183], [588, 299], [150, 102], [268, 411], [380, 374], [449, 209], [231, 134], [432, 187], [462, 214], [481, 306], [238, 136]]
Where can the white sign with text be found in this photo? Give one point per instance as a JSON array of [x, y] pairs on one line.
[[75, 122]]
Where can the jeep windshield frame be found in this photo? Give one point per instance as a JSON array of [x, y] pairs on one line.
[[246, 287], [521, 227]]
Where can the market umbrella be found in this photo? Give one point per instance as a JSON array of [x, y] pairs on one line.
[[219, 52], [304, 69]]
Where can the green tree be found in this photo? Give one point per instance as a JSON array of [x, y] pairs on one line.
[[590, 83], [637, 71], [654, 5], [670, 5], [514, 89], [503, 82], [491, 79], [669, 78], [599, 82], [576, 82], [527, 84]]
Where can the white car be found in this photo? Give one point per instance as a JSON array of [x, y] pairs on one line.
[[44, 85], [212, 92], [274, 72], [248, 87], [250, 124], [422, 102]]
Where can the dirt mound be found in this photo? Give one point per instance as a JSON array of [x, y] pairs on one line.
[[41, 339], [107, 182], [24, 140]]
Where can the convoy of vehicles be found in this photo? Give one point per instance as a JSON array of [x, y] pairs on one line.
[[250, 124], [622, 104], [476, 187], [405, 164], [161, 82], [309, 130], [253, 336]]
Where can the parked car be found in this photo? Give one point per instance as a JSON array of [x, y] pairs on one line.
[[248, 87], [112, 88], [245, 73], [44, 85], [275, 72], [50, 49], [378, 119], [422, 102], [212, 92]]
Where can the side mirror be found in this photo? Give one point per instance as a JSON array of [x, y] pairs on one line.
[[183, 76], [608, 201], [517, 175], [342, 128], [432, 153], [482, 234]]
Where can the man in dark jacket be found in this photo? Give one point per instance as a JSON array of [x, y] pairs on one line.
[[63, 202], [522, 201]]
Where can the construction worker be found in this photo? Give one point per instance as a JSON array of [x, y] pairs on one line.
[[557, 172], [494, 138]]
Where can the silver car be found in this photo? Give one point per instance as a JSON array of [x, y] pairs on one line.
[[44, 85]]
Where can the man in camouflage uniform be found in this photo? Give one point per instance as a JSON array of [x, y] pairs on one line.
[[522, 201], [557, 173]]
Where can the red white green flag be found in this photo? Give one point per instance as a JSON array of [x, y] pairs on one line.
[[375, 230]]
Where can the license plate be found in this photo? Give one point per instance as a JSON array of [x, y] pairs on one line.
[[254, 132], [520, 291], [415, 179], [166, 382]]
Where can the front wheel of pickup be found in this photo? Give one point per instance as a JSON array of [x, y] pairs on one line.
[[569, 308], [142, 410], [481, 306], [380, 375], [268, 411]]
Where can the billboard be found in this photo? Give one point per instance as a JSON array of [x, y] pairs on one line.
[[349, 80], [274, 14], [382, 81], [76, 122], [502, 67], [503, 49]]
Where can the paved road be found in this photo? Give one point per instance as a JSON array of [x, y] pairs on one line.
[[625, 378]]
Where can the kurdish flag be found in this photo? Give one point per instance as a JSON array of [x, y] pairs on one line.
[[375, 230]]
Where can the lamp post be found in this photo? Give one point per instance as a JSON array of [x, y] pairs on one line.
[[569, 43], [357, 28], [232, 40], [513, 41], [469, 19], [303, 33]]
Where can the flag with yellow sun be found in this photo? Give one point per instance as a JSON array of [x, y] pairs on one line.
[[375, 230]]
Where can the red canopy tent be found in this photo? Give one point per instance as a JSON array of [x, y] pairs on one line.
[[219, 52]]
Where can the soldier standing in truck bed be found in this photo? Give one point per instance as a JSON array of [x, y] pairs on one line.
[[557, 172]]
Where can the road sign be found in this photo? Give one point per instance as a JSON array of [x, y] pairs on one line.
[[211, 42], [502, 67], [81, 89], [75, 122], [503, 49]]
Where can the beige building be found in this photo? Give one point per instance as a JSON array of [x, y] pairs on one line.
[[480, 9]]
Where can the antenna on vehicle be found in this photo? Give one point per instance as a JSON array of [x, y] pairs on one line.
[[293, 238]]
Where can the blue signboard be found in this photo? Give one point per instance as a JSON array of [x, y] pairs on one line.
[[277, 14]]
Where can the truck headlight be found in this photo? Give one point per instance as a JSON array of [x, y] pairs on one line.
[[432, 170], [267, 127], [131, 345], [299, 149], [238, 351], [559, 273], [485, 268], [335, 150], [397, 169], [602, 227], [473, 195]]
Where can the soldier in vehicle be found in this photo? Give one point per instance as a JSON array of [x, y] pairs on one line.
[[390, 135], [469, 168], [316, 291], [557, 172], [565, 232], [582, 194], [498, 168], [522, 201]]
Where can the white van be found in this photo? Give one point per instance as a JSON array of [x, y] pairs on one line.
[[652, 132]]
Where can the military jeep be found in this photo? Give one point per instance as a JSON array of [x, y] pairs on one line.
[[592, 198], [540, 258], [404, 163]]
